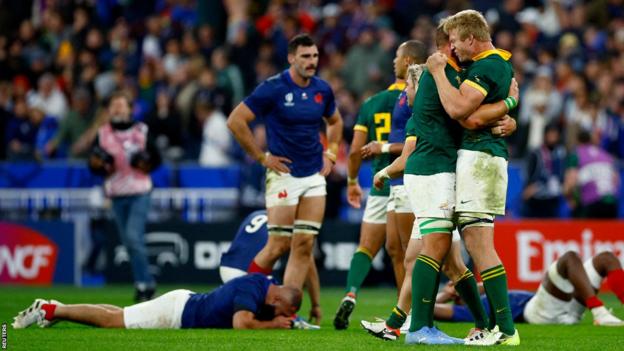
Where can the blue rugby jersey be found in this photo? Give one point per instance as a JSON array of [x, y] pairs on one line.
[[250, 238], [518, 300], [401, 113], [293, 116], [217, 308]]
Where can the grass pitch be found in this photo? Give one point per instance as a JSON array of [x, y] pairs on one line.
[[373, 302]]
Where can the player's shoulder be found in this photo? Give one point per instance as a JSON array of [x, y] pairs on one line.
[[321, 83]]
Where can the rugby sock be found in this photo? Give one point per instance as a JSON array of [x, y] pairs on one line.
[[255, 268], [397, 318], [425, 280], [615, 279], [495, 284], [49, 310], [467, 289], [593, 302], [360, 265]]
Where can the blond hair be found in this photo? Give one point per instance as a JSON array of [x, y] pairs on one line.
[[468, 22], [441, 36]]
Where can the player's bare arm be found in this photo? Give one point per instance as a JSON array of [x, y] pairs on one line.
[[395, 169], [488, 115], [247, 320], [238, 123], [354, 191], [334, 136], [458, 103], [313, 286]]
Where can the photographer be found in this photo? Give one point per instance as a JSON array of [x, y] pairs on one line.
[[124, 157]]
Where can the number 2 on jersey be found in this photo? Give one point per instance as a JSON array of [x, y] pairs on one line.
[[382, 126]]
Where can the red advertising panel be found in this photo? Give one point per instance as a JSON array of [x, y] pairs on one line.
[[527, 248], [26, 256]]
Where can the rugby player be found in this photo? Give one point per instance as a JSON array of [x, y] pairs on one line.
[[568, 288], [293, 105], [482, 158], [429, 165], [250, 238], [375, 123], [249, 302]]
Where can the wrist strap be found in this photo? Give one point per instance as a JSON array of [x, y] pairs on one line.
[[330, 155], [510, 102], [385, 148], [352, 181]]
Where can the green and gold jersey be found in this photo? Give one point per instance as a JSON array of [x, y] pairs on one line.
[[491, 74], [375, 119], [438, 135]]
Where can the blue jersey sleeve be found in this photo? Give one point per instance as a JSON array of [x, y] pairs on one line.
[[261, 99], [330, 104]]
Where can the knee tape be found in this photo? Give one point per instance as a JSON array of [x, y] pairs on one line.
[[280, 230], [560, 282], [469, 219], [307, 227], [435, 225], [594, 277]]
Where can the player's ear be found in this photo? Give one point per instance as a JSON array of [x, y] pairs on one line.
[[291, 58]]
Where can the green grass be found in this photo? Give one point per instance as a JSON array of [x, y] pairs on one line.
[[373, 302]]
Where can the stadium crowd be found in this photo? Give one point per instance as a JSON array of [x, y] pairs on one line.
[[187, 63]]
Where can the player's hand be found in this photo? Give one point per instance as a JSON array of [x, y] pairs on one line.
[[316, 315], [514, 91], [378, 182], [436, 61], [276, 163], [504, 127], [370, 150], [327, 166], [282, 322], [354, 195]]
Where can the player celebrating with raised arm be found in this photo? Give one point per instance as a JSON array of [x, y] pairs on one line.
[[374, 125], [482, 158], [293, 105], [249, 302]]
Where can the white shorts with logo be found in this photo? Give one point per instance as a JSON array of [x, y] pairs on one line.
[[163, 312], [431, 196], [399, 201], [285, 190], [543, 308], [481, 182], [376, 209]]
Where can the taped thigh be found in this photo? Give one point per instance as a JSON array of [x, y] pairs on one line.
[[594, 277], [306, 227], [280, 230], [427, 225], [473, 219], [560, 282]]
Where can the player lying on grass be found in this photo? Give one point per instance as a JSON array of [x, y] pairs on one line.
[[249, 302], [568, 288], [250, 238]]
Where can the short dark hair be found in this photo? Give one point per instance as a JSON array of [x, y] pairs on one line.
[[583, 136], [299, 40], [292, 295], [416, 50]]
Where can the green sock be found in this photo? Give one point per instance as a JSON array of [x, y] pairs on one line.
[[425, 280], [467, 289], [360, 265], [397, 318], [495, 284]]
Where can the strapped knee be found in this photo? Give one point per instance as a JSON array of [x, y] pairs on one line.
[[560, 282], [470, 219], [594, 277], [307, 227]]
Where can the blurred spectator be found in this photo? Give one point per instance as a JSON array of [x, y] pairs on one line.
[[228, 76], [365, 63], [49, 97], [541, 105], [252, 177], [216, 143], [21, 134], [543, 191], [165, 126], [78, 120], [592, 181]]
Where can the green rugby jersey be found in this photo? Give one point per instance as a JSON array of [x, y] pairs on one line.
[[491, 74], [375, 118], [438, 135]]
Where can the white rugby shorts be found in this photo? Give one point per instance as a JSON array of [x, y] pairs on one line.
[[163, 312], [285, 190]]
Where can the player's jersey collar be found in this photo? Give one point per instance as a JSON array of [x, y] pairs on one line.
[[452, 63], [290, 81], [506, 55], [397, 86]]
